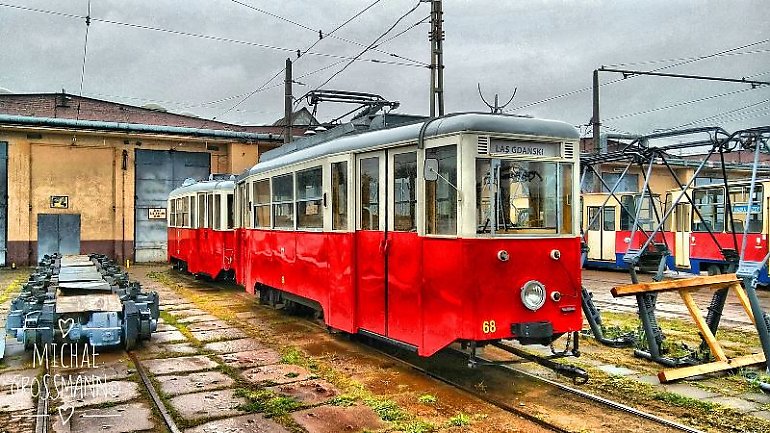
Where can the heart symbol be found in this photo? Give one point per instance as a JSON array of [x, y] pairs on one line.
[[65, 418], [63, 322]]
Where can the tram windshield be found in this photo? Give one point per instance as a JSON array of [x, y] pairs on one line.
[[517, 197]]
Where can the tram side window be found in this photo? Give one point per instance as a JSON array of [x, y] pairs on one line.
[[172, 212], [185, 212], [193, 210], [594, 220], [247, 208], [405, 191], [340, 196], [283, 201], [244, 221], [230, 214], [309, 191], [711, 206], [627, 212], [441, 195], [201, 210], [739, 200], [217, 212], [370, 193], [262, 203], [210, 211]]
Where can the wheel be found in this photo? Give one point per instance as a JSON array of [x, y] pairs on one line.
[[714, 270], [130, 325]]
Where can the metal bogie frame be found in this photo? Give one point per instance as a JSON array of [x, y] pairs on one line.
[[640, 152]]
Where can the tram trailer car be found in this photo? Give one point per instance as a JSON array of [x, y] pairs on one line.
[[201, 235], [607, 229], [700, 251], [464, 227]]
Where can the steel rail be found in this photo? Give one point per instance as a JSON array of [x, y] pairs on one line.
[[598, 399], [164, 413]]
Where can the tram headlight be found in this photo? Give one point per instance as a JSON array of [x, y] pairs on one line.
[[533, 295]]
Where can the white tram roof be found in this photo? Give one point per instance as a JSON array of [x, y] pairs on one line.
[[222, 186], [465, 122]]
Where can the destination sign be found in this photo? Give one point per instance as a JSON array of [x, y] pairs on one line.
[[743, 208], [524, 148]]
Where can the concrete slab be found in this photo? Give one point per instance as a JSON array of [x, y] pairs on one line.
[[123, 418], [196, 319], [18, 422], [309, 392], [81, 395], [690, 391], [617, 371], [16, 399], [335, 419], [167, 337], [205, 326], [278, 374], [208, 404], [177, 306], [648, 378], [185, 364], [254, 423], [108, 371], [219, 334], [246, 315], [250, 358], [153, 350], [18, 378], [235, 346], [756, 396], [162, 327], [736, 403], [187, 312], [193, 382], [762, 414]]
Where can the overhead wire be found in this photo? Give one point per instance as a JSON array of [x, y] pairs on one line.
[[722, 115], [684, 61], [206, 37], [676, 105], [330, 34], [347, 65]]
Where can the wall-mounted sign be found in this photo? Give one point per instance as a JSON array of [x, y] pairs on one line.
[[60, 201], [524, 148], [157, 213]]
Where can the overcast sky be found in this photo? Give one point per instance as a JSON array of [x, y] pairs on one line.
[[546, 48]]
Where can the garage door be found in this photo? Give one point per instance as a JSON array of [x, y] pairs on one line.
[[3, 201], [158, 172]]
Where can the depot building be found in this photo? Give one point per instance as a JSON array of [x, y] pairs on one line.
[[97, 180]]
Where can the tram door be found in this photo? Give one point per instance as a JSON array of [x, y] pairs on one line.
[[682, 235], [600, 235], [370, 241]]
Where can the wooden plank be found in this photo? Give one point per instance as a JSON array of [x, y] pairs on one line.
[[712, 367], [713, 282], [696, 314], [90, 302], [744, 300]]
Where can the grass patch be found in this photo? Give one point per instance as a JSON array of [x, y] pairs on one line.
[[427, 399], [173, 321], [459, 420], [387, 410], [295, 356], [267, 402], [416, 426], [11, 290], [344, 400]]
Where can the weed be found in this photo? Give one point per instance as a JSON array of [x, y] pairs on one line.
[[267, 402], [388, 410], [427, 399], [459, 420], [415, 427], [343, 400]]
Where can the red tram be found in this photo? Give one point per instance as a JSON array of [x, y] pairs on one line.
[[201, 235], [461, 228]]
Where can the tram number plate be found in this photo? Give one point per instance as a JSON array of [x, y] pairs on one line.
[[488, 326]]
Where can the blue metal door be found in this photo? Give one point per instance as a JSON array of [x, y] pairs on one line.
[[58, 233], [3, 202], [158, 172]]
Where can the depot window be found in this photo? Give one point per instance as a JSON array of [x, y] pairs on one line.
[[309, 190], [520, 197], [262, 203], [441, 195], [283, 201], [340, 196]]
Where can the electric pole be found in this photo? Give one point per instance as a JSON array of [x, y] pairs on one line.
[[595, 122], [436, 37], [287, 103]]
